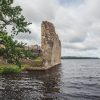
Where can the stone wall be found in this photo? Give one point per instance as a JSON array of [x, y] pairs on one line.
[[50, 45], [2, 60]]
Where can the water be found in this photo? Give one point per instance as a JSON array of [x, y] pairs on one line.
[[73, 80]]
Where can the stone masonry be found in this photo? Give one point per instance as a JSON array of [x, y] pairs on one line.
[[50, 45]]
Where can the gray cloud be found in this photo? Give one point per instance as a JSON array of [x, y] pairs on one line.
[[38, 10], [79, 46], [78, 25]]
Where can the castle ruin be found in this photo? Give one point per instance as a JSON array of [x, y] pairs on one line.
[[50, 45]]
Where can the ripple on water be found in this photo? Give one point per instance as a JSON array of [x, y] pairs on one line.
[[73, 80]]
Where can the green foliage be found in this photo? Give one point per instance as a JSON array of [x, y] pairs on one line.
[[10, 17], [29, 54], [9, 70], [38, 59], [38, 62], [11, 53]]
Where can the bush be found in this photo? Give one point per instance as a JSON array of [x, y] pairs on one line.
[[10, 70]]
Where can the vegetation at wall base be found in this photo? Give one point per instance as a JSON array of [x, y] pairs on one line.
[[38, 62], [11, 69]]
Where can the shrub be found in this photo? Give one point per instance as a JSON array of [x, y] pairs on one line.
[[10, 70]]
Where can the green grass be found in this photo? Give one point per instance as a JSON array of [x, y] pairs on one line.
[[38, 62], [38, 59], [10, 69], [13, 69]]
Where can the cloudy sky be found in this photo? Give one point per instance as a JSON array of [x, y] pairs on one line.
[[77, 23]]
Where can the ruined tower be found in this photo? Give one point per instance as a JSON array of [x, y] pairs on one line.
[[50, 45]]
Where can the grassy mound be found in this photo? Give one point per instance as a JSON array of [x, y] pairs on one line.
[[10, 69]]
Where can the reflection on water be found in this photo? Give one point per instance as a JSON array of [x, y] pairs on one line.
[[73, 80], [30, 85]]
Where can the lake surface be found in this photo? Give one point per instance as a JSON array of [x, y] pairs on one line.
[[72, 80]]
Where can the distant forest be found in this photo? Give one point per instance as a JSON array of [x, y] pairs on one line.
[[73, 57]]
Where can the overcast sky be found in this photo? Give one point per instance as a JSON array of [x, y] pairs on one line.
[[77, 23]]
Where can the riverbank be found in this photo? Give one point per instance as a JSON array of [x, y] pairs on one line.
[[13, 69], [26, 64]]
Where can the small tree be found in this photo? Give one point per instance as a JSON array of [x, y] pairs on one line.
[[13, 51], [10, 16]]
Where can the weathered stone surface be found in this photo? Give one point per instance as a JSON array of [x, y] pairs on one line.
[[50, 45]]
